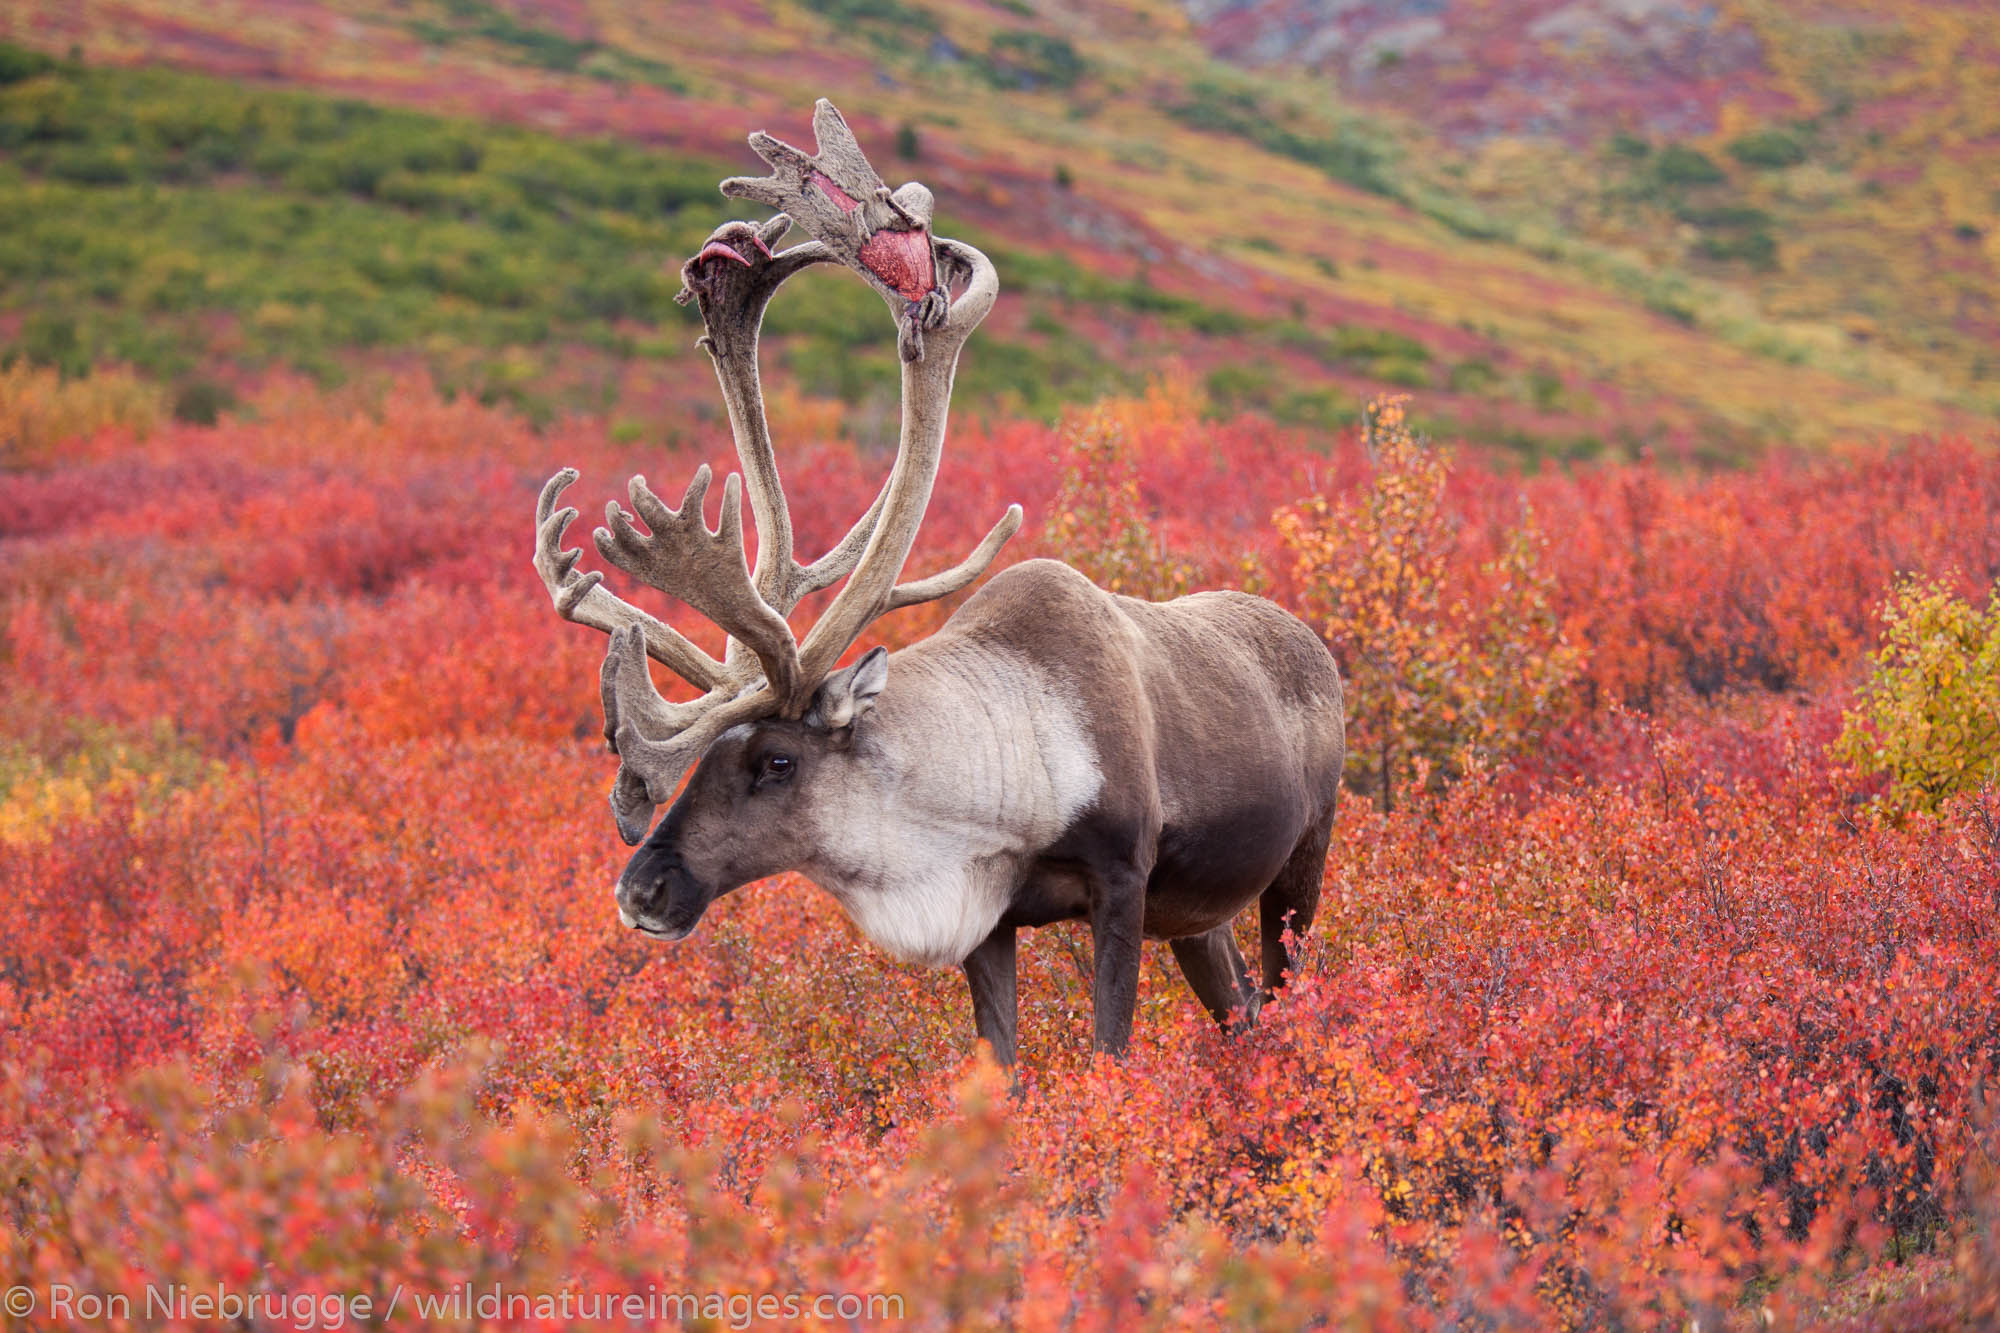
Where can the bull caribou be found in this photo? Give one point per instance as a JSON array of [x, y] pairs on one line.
[[1053, 752]]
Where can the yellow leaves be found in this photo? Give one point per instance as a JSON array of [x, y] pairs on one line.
[[36, 800], [34, 807], [1929, 714], [40, 408]]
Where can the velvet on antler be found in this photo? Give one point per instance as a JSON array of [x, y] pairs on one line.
[[885, 237]]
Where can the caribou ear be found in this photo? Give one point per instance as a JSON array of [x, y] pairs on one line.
[[850, 692]]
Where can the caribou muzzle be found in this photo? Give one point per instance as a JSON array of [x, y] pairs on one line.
[[657, 895]]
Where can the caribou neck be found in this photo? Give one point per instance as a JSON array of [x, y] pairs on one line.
[[982, 760]]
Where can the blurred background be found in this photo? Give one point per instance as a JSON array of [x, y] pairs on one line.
[[1575, 228]]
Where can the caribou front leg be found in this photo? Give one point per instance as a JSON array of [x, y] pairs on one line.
[[989, 969], [1117, 922]]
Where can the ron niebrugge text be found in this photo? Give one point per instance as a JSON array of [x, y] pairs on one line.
[[308, 1312]]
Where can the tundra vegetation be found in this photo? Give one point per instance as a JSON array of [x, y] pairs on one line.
[[1656, 977], [1645, 1008]]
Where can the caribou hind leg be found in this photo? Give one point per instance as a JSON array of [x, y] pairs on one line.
[[1214, 968], [1290, 902]]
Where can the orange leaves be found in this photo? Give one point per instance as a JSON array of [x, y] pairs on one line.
[[1101, 525], [1446, 664]]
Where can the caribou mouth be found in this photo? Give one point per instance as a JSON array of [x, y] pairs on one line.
[[653, 932]]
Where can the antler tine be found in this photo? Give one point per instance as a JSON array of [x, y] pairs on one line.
[[870, 590], [948, 581], [629, 695], [839, 562], [582, 599], [656, 741], [706, 569]]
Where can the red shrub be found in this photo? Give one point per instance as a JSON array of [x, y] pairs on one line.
[[310, 982]]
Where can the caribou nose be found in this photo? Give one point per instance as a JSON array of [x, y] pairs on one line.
[[641, 899], [632, 902]]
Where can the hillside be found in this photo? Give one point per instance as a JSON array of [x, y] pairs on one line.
[[1835, 163], [1155, 209]]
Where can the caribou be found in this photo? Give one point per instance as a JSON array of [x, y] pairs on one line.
[[1053, 752]]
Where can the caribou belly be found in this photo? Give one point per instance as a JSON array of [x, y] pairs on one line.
[[1209, 869]]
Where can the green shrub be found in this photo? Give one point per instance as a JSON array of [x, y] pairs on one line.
[[202, 402], [1474, 376], [352, 223], [1630, 146], [1724, 215], [1346, 155], [1020, 59], [18, 63], [1759, 249], [1317, 409], [893, 12], [50, 339], [1401, 372], [1545, 389], [1234, 387], [1928, 715], [1768, 148], [1678, 164]]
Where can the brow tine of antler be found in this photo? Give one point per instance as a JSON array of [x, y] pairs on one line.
[[582, 599], [629, 695], [926, 404], [706, 569], [649, 769], [948, 581], [638, 723]]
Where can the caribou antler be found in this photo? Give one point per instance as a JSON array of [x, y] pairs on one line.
[[836, 196], [704, 569], [579, 597], [885, 238]]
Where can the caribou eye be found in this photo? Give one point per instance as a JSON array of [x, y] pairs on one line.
[[775, 768]]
